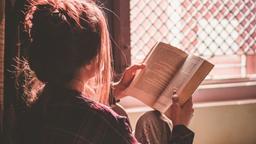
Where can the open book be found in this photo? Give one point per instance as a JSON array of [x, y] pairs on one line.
[[168, 69]]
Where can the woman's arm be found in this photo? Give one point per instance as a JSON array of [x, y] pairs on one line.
[[153, 128], [181, 116]]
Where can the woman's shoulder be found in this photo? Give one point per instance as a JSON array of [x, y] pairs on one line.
[[104, 113], [74, 103], [103, 110], [115, 127], [97, 109]]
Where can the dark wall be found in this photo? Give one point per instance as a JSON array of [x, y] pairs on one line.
[[1, 66], [13, 105]]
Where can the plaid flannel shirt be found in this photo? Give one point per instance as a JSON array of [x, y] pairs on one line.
[[63, 116]]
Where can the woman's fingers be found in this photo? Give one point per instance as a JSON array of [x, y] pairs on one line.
[[130, 73], [187, 112], [126, 80]]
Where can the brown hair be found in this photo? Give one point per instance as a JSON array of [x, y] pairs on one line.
[[66, 35]]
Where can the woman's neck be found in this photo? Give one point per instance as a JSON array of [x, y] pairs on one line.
[[76, 85], [81, 87]]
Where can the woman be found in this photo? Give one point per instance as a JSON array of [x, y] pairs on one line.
[[70, 54]]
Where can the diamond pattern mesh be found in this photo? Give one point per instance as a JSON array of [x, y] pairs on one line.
[[207, 28]]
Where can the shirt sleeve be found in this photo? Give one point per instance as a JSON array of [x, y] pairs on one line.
[[151, 129], [120, 133], [146, 135], [181, 135]]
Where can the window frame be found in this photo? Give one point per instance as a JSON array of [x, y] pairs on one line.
[[120, 36], [2, 37]]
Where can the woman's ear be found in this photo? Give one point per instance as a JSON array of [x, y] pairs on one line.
[[91, 67], [88, 67]]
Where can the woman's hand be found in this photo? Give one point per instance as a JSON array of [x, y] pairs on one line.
[[129, 73], [180, 115], [187, 111]]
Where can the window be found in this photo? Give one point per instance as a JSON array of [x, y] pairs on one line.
[[224, 32]]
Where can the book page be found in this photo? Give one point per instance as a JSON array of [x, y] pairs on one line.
[[161, 65], [189, 88], [185, 82]]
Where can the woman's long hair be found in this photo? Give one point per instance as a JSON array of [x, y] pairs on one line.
[[66, 35]]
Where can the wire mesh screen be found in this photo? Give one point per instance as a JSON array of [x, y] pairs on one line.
[[209, 28]]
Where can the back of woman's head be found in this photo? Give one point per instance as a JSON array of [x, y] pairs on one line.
[[65, 36]]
